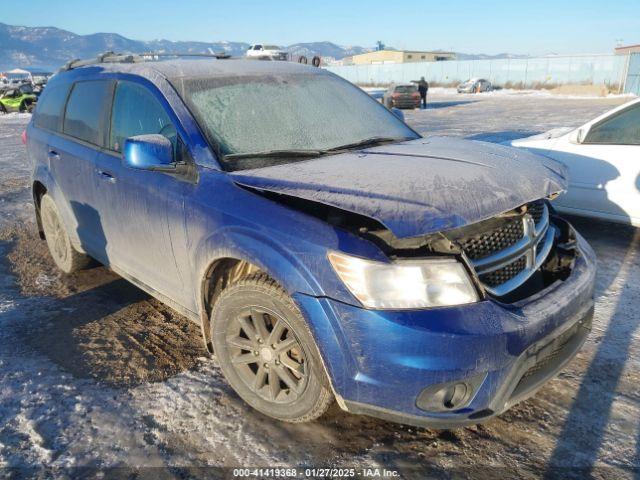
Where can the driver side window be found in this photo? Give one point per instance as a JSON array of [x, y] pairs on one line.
[[621, 129], [137, 112]]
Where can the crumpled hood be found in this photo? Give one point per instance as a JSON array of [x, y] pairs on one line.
[[418, 187]]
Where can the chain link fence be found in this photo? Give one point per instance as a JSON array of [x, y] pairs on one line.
[[617, 72]]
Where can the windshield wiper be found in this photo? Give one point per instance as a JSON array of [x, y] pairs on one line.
[[369, 142], [275, 153]]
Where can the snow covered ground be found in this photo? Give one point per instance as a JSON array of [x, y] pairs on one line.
[[96, 375], [377, 92]]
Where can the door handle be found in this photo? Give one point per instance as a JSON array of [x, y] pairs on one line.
[[53, 155], [106, 176]]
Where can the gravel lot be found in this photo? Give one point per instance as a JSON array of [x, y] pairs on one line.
[[94, 374]]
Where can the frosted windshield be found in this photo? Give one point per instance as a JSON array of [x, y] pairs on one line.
[[254, 114]]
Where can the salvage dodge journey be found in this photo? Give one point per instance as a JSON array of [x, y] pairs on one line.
[[327, 250]]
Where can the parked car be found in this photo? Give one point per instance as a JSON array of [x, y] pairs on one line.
[[401, 95], [475, 85], [39, 83], [325, 248], [267, 51], [17, 99], [603, 161]]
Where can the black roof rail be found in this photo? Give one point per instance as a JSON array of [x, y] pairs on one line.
[[106, 57], [111, 57], [218, 55]]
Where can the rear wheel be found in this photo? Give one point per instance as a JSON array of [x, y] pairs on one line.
[[65, 256], [267, 352], [2, 109]]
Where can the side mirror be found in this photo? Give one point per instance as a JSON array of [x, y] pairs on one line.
[[577, 136], [149, 152], [398, 113]]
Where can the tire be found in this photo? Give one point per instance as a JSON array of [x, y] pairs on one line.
[[3, 110], [65, 256], [267, 352]]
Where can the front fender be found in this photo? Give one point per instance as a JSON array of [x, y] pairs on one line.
[[260, 250], [291, 273]]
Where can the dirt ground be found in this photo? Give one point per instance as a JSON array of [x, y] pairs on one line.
[[95, 374], [105, 330]]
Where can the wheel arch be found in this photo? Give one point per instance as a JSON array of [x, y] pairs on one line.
[[222, 273], [231, 255], [38, 190]]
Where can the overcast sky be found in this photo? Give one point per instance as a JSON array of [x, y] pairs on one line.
[[531, 27]]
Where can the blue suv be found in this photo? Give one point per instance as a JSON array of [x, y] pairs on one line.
[[326, 249]]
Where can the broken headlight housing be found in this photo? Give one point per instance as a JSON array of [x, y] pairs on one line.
[[406, 284]]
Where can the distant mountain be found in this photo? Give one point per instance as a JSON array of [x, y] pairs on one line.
[[482, 56], [324, 49], [47, 48]]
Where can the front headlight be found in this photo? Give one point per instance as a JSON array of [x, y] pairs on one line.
[[405, 284]]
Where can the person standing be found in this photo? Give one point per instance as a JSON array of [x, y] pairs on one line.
[[423, 89]]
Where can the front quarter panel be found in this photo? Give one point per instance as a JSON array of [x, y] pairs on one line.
[[224, 220]]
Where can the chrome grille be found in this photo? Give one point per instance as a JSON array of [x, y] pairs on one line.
[[504, 274], [505, 256], [479, 246], [536, 210]]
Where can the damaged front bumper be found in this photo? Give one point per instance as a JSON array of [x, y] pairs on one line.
[[448, 367]]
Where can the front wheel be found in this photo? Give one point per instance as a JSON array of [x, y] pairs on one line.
[[2, 109], [267, 352], [65, 256]]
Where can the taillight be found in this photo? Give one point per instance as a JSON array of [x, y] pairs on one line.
[[24, 137]]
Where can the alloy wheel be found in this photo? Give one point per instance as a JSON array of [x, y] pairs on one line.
[[267, 356]]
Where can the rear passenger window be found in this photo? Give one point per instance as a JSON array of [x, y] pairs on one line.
[[85, 112], [137, 112], [49, 107]]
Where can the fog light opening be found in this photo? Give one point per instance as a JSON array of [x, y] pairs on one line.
[[455, 395], [445, 397]]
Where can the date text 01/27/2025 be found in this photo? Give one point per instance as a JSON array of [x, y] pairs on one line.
[[315, 473]]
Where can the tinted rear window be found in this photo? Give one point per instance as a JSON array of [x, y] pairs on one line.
[[49, 107], [406, 89], [84, 117]]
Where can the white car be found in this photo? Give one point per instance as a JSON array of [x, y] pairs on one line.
[[475, 85], [603, 158], [266, 51]]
